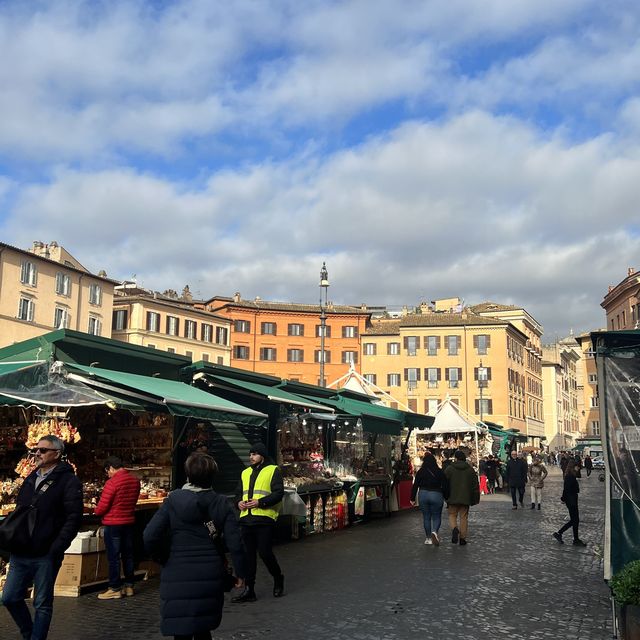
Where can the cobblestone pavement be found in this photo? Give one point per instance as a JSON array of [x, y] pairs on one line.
[[380, 582]]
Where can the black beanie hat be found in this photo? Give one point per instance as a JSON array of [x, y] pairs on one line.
[[259, 448]]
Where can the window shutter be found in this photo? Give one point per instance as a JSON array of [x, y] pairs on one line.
[[490, 407], [459, 373], [426, 373], [405, 341], [475, 373], [418, 374], [475, 342], [458, 341], [446, 374], [488, 373], [488, 341], [477, 404], [425, 342], [437, 342], [439, 370], [406, 375]]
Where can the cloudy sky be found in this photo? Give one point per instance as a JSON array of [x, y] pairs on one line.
[[487, 149]]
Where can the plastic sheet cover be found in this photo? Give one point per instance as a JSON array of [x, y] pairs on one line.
[[622, 440], [43, 384]]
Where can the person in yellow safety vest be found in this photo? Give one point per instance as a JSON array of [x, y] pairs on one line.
[[259, 497]]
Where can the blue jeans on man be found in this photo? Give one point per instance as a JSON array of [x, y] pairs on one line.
[[23, 572], [430, 503], [118, 540]]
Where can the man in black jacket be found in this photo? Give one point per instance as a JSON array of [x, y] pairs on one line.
[[57, 493], [517, 471], [259, 497]]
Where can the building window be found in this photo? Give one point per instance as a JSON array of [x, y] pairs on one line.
[[349, 357], [431, 406], [295, 355], [481, 344], [317, 356], [219, 359], [26, 309], [63, 284], [120, 317], [170, 350], [29, 273], [222, 335], [189, 354], [268, 328], [268, 353], [95, 294], [453, 344], [61, 318], [242, 326], [349, 332], [173, 326], [593, 378], [205, 357], [151, 346], [594, 401], [432, 344], [393, 379], [413, 404], [411, 377], [206, 332], [393, 348], [371, 378], [486, 405], [433, 375], [190, 329], [483, 375], [453, 375], [95, 326], [295, 329], [327, 331], [411, 344], [240, 352], [153, 321], [595, 427], [370, 348]]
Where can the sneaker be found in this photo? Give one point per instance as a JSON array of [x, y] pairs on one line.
[[110, 594], [462, 542], [558, 537], [454, 535], [515, 506], [127, 591], [428, 541], [578, 543], [435, 539]]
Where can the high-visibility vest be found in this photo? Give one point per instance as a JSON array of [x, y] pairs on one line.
[[261, 489]]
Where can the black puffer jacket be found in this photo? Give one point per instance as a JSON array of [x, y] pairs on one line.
[[59, 511], [191, 587]]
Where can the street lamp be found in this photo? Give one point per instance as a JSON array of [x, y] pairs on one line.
[[482, 383], [324, 285]]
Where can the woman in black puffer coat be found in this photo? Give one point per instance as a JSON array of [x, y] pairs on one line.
[[191, 582]]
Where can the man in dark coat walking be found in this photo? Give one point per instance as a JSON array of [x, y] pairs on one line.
[[463, 491], [259, 497], [517, 471], [57, 492]]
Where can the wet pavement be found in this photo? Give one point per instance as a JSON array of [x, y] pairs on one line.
[[378, 581]]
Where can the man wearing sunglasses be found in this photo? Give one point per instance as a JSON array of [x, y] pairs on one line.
[[57, 493]]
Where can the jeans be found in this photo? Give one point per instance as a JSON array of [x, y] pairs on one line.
[[574, 519], [520, 491], [257, 539], [430, 503], [23, 572], [118, 540]]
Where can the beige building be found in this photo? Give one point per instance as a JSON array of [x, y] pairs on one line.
[[170, 323], [478, 360], [622, 303], [46, 288], [588, 407], [560, 383]]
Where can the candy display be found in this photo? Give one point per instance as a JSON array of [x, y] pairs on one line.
[[60, 427]]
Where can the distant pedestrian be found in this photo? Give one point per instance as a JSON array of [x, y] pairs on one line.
[[577, 461], [516, 478], [564, 461], [429, 486], [492, 473], [464, 491], [588, 465], [537, 473], [569, 496], [117, 506]]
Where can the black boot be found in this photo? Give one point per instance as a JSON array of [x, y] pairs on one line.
[[278, 586], [533, 505], [247, 595], [538, 506]]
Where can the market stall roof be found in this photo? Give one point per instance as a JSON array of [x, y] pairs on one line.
[[218, 376], [179, 398], [82, 348], [448, 419]]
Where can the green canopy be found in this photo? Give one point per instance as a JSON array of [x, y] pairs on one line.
[[179, 398]]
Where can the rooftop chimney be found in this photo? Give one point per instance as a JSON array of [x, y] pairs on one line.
[[236, 296]]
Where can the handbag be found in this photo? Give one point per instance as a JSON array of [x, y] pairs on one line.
[[216, 536], [16, 530]]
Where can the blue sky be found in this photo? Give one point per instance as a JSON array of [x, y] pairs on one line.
[[424, 149]]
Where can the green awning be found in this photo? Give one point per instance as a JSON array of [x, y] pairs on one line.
[[275, 394], [179, 398]]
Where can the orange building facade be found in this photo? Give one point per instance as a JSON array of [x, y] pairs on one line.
[[284, 339]]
